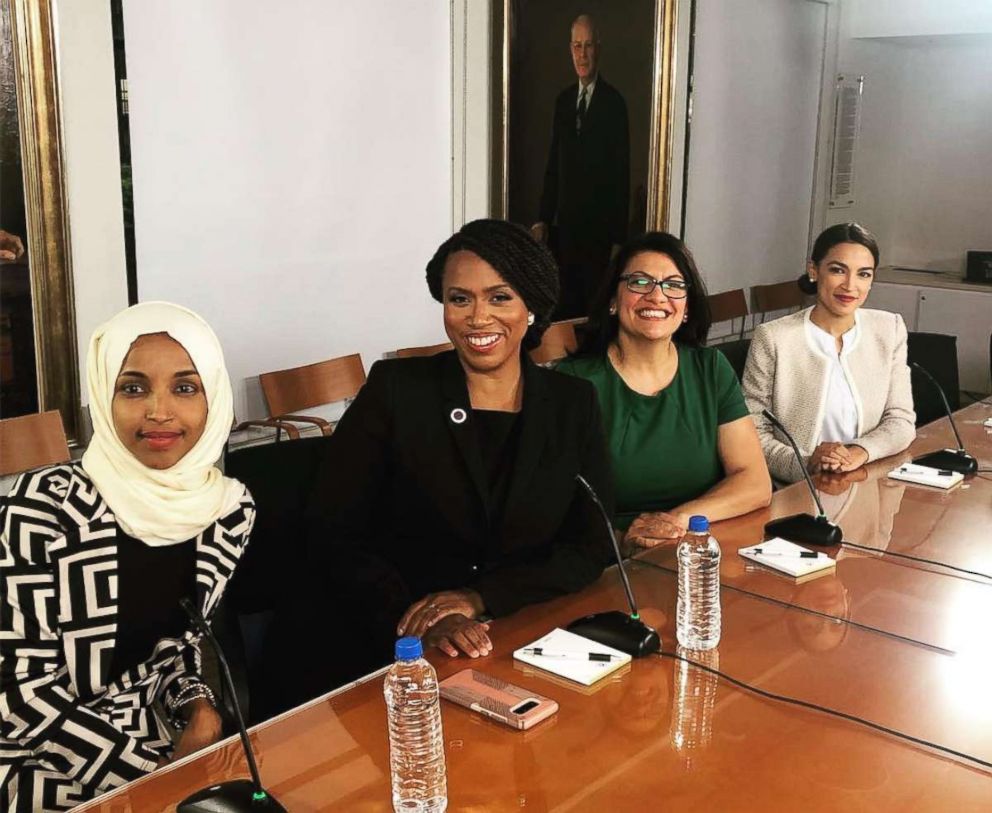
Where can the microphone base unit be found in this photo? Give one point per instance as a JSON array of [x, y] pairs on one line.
[[236, 796], [949, 460], [620, 631], [806, 528]]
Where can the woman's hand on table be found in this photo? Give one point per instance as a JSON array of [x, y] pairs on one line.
[[656, 528], [204, 727], [844, 458], [422, 615], [456, 633]]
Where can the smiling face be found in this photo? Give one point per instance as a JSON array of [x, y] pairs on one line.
[[652, 316], [484, 317], [843, 278], [159, 406]]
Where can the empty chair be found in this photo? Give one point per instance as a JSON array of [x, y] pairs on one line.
[[777, 297], [427, 350], [736, 353], [557, 342], [727, 306], [937, 353], [32, 441], [326, 382]]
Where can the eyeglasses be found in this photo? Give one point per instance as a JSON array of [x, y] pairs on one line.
[[643, 284]]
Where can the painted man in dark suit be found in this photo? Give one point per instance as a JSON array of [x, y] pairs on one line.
[[584, 204]]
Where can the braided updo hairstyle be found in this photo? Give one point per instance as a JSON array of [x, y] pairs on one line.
[[525, 264]]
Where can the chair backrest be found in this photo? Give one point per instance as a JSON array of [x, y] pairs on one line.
[[427, 350], [736, 353], [558, 341], [937, 353], [280, 478], [727, 305], [777, 296], [32, 441], [289, 391]]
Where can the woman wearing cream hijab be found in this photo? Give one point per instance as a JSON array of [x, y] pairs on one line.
[[94, 558]]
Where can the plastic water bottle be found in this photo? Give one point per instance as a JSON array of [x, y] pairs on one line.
[[416, 742], [698, 610]]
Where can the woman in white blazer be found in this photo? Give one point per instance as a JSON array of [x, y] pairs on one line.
[[834, 374]]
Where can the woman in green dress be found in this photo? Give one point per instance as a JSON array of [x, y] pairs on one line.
[[681, 439]]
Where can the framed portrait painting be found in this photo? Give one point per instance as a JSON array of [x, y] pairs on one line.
[[582, 110]]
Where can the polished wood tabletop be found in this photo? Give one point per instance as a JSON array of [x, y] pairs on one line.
[[899, 643]]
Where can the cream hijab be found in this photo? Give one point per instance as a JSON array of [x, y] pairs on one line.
[[167, 506]]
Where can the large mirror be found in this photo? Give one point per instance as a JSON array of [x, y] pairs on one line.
[[38, 360]]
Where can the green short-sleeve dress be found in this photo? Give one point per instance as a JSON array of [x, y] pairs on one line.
[[664, 447]]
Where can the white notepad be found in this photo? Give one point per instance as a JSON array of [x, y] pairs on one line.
[[581, 671], [926, 475], [784, 556]]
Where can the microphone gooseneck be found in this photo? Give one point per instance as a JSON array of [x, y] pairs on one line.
[[799, 457], [816, 530], [613, 628], [613, 538], [237, 794], [943, 398]]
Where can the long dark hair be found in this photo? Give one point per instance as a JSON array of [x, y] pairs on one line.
[[834, 236], [603, 327]]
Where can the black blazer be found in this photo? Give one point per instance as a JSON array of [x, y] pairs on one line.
[[587, 179], [402, 485]]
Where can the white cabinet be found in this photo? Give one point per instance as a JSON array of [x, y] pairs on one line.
[[966, 314]]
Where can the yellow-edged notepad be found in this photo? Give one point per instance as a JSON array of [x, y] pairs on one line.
[[786, 557], [926, 475], [567, 655]]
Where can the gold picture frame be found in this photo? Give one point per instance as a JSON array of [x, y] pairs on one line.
[[662, 103], [47, 238]]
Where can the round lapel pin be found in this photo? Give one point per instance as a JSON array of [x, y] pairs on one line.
[[458, 415]]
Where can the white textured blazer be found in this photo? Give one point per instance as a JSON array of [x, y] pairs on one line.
[[788, 375]]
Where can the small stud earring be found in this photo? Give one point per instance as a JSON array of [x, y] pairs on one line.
[[613, 310], [530, 318]]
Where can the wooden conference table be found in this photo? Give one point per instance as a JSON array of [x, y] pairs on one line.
[[903, 644]]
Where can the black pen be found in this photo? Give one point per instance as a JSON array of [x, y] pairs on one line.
[[576, 656], [806, 554]]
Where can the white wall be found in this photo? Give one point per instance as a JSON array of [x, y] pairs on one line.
[[907, 18], [471, 133], [92, 166], [924, 158], [292, 172], [757, 78]]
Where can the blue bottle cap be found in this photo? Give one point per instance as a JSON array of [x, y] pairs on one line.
[[409, 648], [698, 524]]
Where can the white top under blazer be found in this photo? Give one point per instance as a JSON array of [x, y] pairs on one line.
[[840, 415], [788, 374]]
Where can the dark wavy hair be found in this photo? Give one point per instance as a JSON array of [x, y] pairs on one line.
[[834, 236], [603, 327]]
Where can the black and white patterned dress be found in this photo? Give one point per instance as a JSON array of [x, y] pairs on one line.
[[69, 730]]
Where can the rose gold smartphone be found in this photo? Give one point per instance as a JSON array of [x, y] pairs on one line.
[[497, 699]]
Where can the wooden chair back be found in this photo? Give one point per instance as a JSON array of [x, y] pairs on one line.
[[727, 305], [325, 382], [32, 441], [427, 350], [558, 341], [777, 296]]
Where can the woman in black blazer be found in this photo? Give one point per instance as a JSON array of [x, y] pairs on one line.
[[449, 489]]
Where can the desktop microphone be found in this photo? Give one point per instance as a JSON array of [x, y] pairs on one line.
[[237, 795], [816, 530], [616, 629], [949, 459]]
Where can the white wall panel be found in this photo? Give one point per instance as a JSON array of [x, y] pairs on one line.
[[292, 172]]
